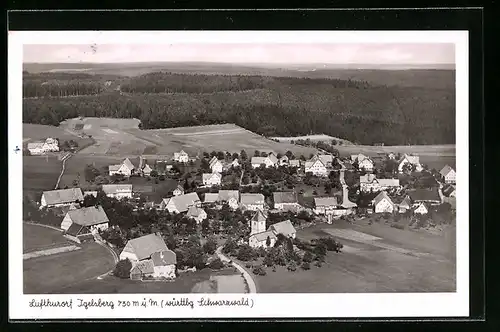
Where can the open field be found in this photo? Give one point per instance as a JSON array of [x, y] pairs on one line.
[[399, 261], [33, 132], [37, 237], [122, 137], [48, 274], [40, 173], [185, 283]]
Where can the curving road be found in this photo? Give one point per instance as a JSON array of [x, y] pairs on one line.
[[252, 288]]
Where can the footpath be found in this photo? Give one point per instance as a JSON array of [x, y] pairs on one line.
[[252, 288]]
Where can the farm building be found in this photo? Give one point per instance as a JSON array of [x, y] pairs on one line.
[[211, 179], [324, 204], [179, 190], [41, 147], [232, 197], [79, 233], [412, 160], [391, 155], [181, 203], [196, 213], [181, 157], [382, 203], [369, 182], [92, 217], [260, 240], [316, 166], [269, 161], [252, 202], [143, 247], [258, 222], [285, 227], [364, 162], [294, 163], [448, 174], [327, 159], [90, 193], [118, 191], [150, 257], [286, 201], [430, 196], [126, 168], [61, 197]]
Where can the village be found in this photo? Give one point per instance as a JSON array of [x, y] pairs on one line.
[[229, 209]]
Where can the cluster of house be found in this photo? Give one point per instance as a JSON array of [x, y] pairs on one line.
[[127, 168], [42, 147]]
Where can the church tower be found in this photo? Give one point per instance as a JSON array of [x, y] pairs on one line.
[[258, 223]]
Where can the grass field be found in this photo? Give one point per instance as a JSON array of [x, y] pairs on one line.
[[33, 132], [185, 283], [40, 173], [48, 274], [400, 261], [40, 238], [121, 137]]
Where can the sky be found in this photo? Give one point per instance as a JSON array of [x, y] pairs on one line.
[[394, 54]]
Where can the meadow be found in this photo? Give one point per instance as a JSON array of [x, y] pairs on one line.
[[36, 237], [34, 132], [40, 173], [47, 274]]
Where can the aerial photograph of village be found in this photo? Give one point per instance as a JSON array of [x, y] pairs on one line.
[[239, 168]]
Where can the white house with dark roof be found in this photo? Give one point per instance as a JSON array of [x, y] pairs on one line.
[[92, 217], [126, 168], [252, 202], [61, 197], [409, 159], [421, 208], [284, 161], [316, 166], [211, 179], [181, 203], [448, 174], [216, 165], [382, 203], [364, 162], [181, 156], [284, 227], [269, 161], [118, 191]]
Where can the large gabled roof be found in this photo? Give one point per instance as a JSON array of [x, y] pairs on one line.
[[284, 197], [183, 202], [380, 197], [325, 201], [252, 199], [424, 195], [446, 169], [63, 196], [88, 216], [146, 245], [226, 195], [284, 227]]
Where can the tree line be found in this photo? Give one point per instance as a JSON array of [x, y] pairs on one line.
[[284, 107]]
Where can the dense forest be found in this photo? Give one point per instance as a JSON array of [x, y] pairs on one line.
[[271, 106]]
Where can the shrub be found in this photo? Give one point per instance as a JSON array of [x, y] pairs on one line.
[[230, 246], [122, 269], [248, 265], [292, 266], [398, 226], [259, 270], [246, 253], [306, 266], [268, 260], [216, 264], [274, 269], [210, 246], [318, 264], [308, 257]]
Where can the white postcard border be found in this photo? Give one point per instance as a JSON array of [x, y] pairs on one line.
[[333, 305]]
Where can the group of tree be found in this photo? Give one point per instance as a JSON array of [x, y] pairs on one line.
[[281, 107]]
